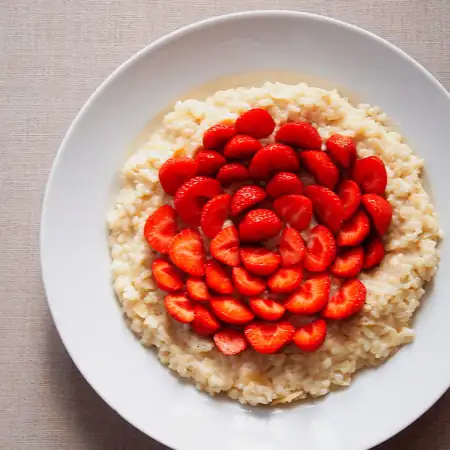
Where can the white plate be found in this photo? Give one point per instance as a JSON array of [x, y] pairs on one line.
[[75, 260]]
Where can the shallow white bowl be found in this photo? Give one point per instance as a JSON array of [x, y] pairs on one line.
[[83, 182]]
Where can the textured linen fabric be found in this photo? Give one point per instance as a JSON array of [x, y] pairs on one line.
[[53, 54]]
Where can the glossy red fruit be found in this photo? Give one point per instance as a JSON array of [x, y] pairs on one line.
[[284, 183], [246, 197], [232, 173], [320, 166], [299, 134], [214, 214], [160, 228], [350, 196], [374, 253], [348, 301], [260, 260], [241, 146], [370, 173], [175, 172], [204, 324], [296, 210], [259, 225], [247, 283], [197, 289], [217, 278], [230, 310], [187, 252], [379, 210], [354, 231], [209, 162], [217, 136], [292, 247], [342, 150], [320, 249], [255, 122], [311, 297], [310, 337], [271, 159], [267, 309], [179, 307], [166, 275], [286, 279], [225, 246], [230, 342], [348, 263], [268, 338]]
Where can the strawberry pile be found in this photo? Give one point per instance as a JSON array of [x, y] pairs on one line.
[[242, 291]]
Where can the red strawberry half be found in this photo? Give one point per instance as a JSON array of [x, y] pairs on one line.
[[268, 338], [230, 310], [225, 246], [370, 174], [267, 309], [311, 297], [348, 301], [260, 260], [214, 214], [217, 136], [246, 197], [348, 263], [374, 253], [232, 173], [204, 323], [247, 283], [286, 279], [292, 247], [320, 249], [209, 162], [284, 183], [296, 210], [175, 172], [230, 342], [299, 134], [197, 289], [160, 228], [342, 150], [187, 252], [354, 231], [271, 159], [166, 275], [311, 336], [320, 166], [217, 278], [255, 122], [179, 307], [379, 210], [241, 146], [350, 195], [259, 225]]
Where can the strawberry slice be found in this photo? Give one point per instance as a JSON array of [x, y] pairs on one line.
[[348, 301], [192, 196], [271, 159], [350, 195], [204, 323], [209, 162], [197, 289], [284, 183], [299, 134], [230, 310], [225, 246], [259, 225], [214, 214], [296, 210], [320, 249], [268, 338], [187, 252], [311, 336], [342, 150], [217, 136], [292, 247], [348, 263], [179, 307], [241, 146], [370, 174], [246, 197], [267, 309], [230, 342], [327, 206], [217, 278], [311, 297], [255, 122], [166, 275], [160, 228], [232, 173], [320, 166], [175, 172], [379, 210], [260, 260], [286, 279], [354, 230], [247, 283], [374, 253]]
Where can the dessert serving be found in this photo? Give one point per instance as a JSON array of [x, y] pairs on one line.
[[272, 241]]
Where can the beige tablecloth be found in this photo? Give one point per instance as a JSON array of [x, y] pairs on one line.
[[53, 54]]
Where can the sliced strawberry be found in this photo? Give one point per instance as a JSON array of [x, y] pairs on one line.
[[348, 301], [214, 214], [247, 283], [160, 228], [296, 210], [230, 342], [354, 230], [284, 183], [268, 338], [230, 310], [259, 225], [187, 252], [209, 162], [217, 136], [225, 246], [292, 247], [197, 289], [374, 253], [379, 210], [217, 278], [348, 263], [271, 159], [350, 195], [286, 279], [320, 249], [232, 173], [311, 297], [342, 150], [241, 146], [311, 336], [179, 307], [204, 323], [370, 173], [166, 275], [246, 197], [192, 196], [320, 166], [175, 172], [260, 260], [255, 122], [327, 206], [299, 134], [267, 309]]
